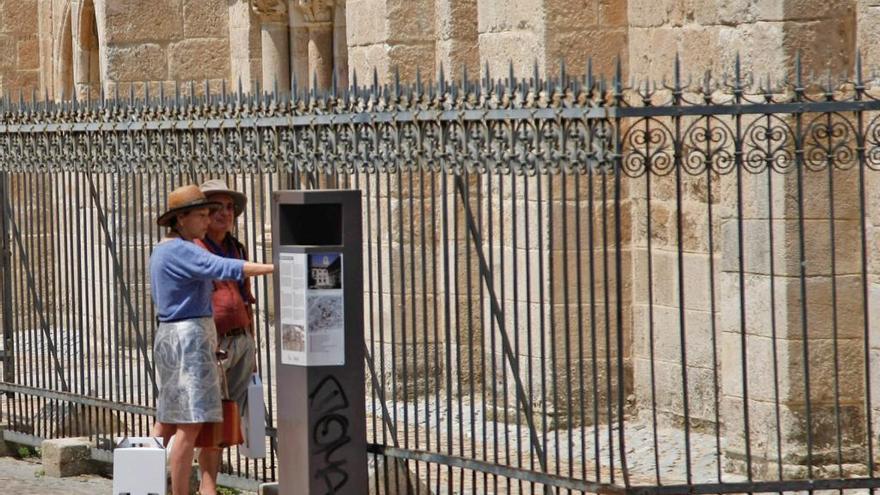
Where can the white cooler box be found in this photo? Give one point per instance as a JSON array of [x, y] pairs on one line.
[[139, 466]]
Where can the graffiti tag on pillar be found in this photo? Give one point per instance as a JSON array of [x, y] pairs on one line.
[[330, 432]]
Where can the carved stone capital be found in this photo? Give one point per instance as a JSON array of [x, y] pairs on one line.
[[316, 11], [270, 9]]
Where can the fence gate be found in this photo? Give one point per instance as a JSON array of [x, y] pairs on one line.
[[571, 285]]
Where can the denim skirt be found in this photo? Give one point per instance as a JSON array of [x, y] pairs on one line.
[[187, 372]]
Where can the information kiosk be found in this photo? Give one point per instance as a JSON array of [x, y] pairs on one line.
[[320, 342]]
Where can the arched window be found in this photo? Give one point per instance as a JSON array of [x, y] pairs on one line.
[[64, 59], [87, 68]]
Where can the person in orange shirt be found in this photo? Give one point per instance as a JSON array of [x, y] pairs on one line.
[[232, 302]]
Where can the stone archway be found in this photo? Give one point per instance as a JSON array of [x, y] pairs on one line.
[[63, 59], [86, 48]]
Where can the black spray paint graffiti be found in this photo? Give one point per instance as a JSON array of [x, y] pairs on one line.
[[330, 432]]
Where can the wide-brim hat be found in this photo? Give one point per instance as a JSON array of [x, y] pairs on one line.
[[183, 199], [217, 186]]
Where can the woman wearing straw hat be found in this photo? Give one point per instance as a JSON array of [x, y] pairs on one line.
[[181, 275]]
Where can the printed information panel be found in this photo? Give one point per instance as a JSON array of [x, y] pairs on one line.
[[312, 309]]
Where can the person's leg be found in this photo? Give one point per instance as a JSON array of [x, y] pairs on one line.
[[209, 466], [181, 457], [164, 430]]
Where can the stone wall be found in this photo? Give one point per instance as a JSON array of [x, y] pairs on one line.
[[20, 47], [766, 35]]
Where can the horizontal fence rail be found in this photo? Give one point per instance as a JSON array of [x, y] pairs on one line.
[[571, 286]]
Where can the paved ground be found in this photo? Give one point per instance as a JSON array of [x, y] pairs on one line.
[[26, 477]]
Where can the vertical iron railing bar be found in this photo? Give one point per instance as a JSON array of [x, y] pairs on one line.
[[447, 326], [27, 290], [370, 350], [126, 294], [863, 219], [609, 402], [52, 274], [73, 329], [115, 208], [542, 456], [35, 297], [86, 240], [738, 164], [834, 316], [651, 346], [484, 392], [507, 349], [6, 283], [594, 335], [46, 282], [771, 245], [618, 263], [710, 158], [456, 267], [38, 316], [551, 302], [140, 268], [566, 308], [436, 326], [381, 296], [151, 241], [62, 293], [403, 327], [502, 303], [682, 317], [25, 365], [493, 360], [43, 288], [107, 306], [580, 320], [802, 255], [81, 292], [273, 442], [528, 285], [392, 327], [515, 288], [413, 319], [470, 326], [425, 325], [401, 264]]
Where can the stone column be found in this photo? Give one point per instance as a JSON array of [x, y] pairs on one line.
[[314, 35], [275, 43]]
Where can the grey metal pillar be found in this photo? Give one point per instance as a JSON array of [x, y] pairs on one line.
[[317, 250]]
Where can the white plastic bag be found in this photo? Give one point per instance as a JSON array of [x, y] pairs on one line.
[[253, 421]]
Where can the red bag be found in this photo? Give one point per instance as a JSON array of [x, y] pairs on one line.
[[225, 434]]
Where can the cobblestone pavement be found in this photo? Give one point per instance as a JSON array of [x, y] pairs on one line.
[[26, 477]]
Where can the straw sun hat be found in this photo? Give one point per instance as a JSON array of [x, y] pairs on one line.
[[183, 199], [217, 186]]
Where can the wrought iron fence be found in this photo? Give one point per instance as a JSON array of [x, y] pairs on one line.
[[571, 285]]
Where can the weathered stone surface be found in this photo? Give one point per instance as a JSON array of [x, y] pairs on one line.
[[522, 49], [147, 61], [125, 21], [198, 59], [7, 52], [65, 457], [410, 21], [19, 17], [508, 15], [205, 18], [28, 54]]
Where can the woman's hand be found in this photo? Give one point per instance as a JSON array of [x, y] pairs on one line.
[[254, 269]]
